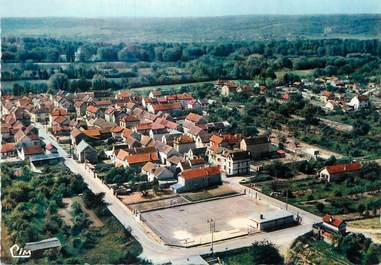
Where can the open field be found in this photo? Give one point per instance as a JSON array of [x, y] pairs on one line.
[[188, 225], [137, 197], [372, 223], [342, 198]]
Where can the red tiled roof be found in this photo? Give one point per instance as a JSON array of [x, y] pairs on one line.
[[92, 109], [184, 96], [216, 139], [163, 107], [341, 168], [142, 158], [102, 102], [59, 112], [92, 132], [75, 132], [200, 172], [143, 126], [59, 119], [329, 219], [127, 132], [32, 150], [8, 147], [193, 117], [117, 129], [326, 94], [122, 154], [184, 139], [124, 94]]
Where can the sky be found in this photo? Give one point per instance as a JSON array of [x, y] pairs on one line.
[[181, 8]]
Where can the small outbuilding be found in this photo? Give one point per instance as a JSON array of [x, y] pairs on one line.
[[272, 220]]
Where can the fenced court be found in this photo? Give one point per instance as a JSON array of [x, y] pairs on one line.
[[188, 225]]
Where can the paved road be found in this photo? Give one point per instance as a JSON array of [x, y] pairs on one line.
[[153, 248]]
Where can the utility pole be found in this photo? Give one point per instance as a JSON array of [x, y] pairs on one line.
[[212, 228], [287, 197]]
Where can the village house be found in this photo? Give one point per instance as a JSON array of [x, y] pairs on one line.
[[165, 151], [338, 171], [199, 152], [228, 88], [332, 105], [58, 112], [183, 144], [128, 121], [39, 115], [167, 108], [155, 171], [116, 133], [193, 163], [196, 120], [94, 112], [329, 229], [126, 159], [197, 178], [86, 152], [8, 150], [359, 102], [258, 146], [327, 95], [23, 138], [28, 151], [80, 108], [232, 162], [157, 131]]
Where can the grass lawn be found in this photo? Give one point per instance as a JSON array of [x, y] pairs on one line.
[[238, 259], [316, 252], [372, 223], [240, 256], [112, 244], [338, 198]]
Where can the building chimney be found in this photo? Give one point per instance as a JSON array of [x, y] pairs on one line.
[[261, 216]]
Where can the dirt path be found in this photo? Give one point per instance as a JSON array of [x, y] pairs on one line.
[[92, 216], [65, 213]]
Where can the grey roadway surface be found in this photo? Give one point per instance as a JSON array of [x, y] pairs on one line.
[[154, 249]]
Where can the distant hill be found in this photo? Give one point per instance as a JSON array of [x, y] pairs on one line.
[[196, 29]]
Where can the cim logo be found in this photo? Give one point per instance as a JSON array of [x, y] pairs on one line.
[[17, 252]]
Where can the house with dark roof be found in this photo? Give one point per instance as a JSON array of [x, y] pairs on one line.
[[184, 143], [38, 248], [233, 162], [338, 171], [258, 146], [197, 153], [197, 178], [155, 171], [86, 152]]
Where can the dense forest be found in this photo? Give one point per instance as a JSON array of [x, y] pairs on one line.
[[82, 66]]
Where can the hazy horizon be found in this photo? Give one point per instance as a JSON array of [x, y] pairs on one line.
[[181, 9]]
